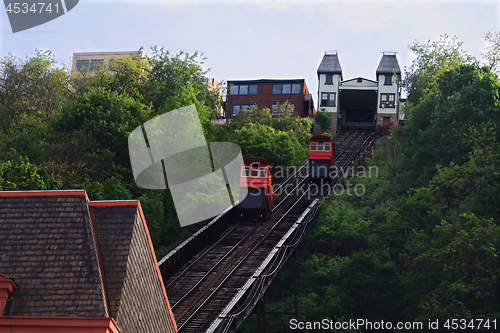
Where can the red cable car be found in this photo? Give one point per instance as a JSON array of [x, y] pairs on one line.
[[321, 158], [256, 177]]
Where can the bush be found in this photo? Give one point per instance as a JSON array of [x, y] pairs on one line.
[[383, 130]]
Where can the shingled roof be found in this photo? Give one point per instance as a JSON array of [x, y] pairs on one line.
[[388, 64], [330, 64], [70, 257]]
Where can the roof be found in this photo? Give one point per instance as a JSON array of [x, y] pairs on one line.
[[388, 64], [71, 257], [47, 249], [320, 137], [330, 64]]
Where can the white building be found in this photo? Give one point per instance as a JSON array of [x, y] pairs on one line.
[[359, 102]]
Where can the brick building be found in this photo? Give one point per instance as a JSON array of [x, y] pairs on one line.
[[359, 102], [269, 93], [68, 264]]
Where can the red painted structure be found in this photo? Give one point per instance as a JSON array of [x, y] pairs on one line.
[[257, 178], [321, 157]]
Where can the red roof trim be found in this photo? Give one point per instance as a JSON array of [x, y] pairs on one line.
[[70, 324], [110, 203], [43, 193]]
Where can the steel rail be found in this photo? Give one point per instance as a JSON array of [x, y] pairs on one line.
[[256, 246]]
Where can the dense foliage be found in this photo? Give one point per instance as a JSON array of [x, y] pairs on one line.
[[422, 241], [59, 131]]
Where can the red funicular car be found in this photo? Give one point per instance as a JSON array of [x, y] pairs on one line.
[[256, 177]]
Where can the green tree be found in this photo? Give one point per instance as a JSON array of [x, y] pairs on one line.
[[124, 75], [17, 173], [492, 53], [323, 119], [109, 117], [431, 59], [32, 92], [438, 128], [277, 147], [168, 75]]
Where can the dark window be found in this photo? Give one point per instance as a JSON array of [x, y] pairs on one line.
[[80, 64], [277, 108], [252, 89], [254, 171], [234, 90], [329, 79], [240, 106], [327, 99], [388, 80], [243, 89], [313, 146], [286, 88], [245, 172], [360, 80], [387, 100], [94, 63], [387, 120], [262, 172], [276, 89]]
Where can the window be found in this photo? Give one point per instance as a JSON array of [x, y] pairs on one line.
[[244, 89], [245, 171], [360, 80], [329, 79], [313, 146], [387, 100], [262, 172], [286, 88], [94, 63], [239, 106], [327, 99], [388, 80], [277, 108], [327, 146], [80, 64], [387, 120], [254, 172], [320, 145]]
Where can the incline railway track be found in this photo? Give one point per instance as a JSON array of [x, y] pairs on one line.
[[219, 280]]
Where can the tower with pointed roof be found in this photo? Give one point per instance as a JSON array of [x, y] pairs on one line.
[[388, 75], [329, 78]]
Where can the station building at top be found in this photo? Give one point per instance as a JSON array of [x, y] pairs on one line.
[[359, 102]]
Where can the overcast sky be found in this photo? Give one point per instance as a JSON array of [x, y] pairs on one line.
[[259, 39]]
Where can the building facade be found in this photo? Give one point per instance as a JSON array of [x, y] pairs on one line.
[[89, 61], [359, 102], [270, 94]]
